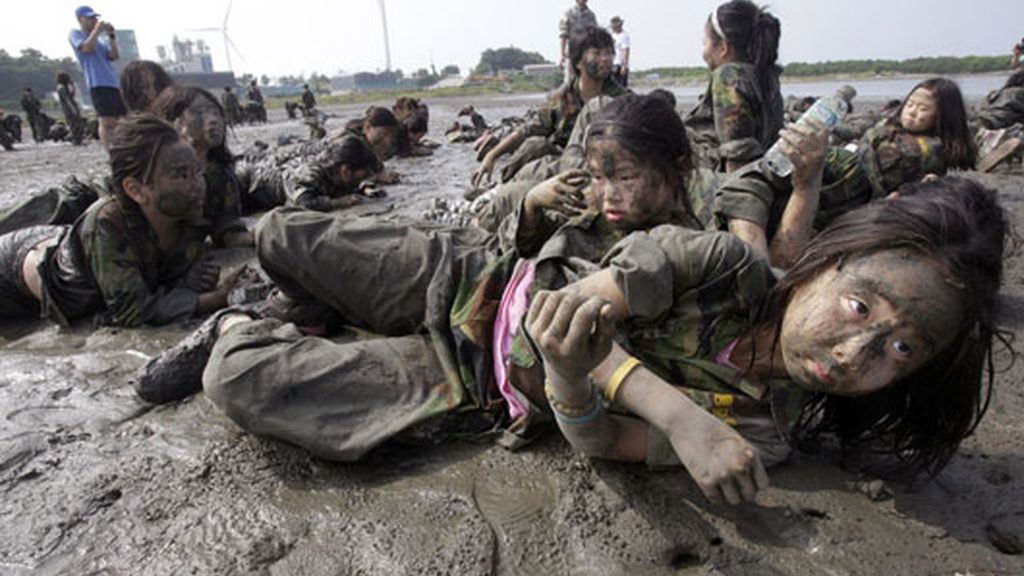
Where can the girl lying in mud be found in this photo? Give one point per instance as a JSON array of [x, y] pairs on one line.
[[880, 334], [696, 309], [927, 135], [132, 258]]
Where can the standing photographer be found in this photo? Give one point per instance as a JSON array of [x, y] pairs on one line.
[[96, 57]]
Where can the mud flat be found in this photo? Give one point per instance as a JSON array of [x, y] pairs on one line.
[[94, 481]]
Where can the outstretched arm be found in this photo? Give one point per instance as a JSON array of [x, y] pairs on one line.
[[573, 329]]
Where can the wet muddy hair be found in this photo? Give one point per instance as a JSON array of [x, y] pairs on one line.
[[754, 34], [379, 116], [950, 122], [585, 39], [173, 102], [649, 127], [63, 78], [1016, 80], [350, 150], [921, 419], [131, 81], [134, 148]]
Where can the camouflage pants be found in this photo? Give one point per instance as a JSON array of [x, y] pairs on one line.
[[339, 399], [61, 204]]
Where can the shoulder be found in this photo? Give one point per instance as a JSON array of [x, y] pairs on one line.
[[76, 37], [733, 74]]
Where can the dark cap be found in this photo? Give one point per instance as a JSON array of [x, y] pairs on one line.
[[85, 11], [616, 20]]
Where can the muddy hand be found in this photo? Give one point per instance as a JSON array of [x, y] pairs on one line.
[[483, 173], [572, 332], [203, 275], [722, 463], [806, 146], [561, 193]]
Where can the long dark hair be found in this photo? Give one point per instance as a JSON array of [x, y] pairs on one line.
[[754, 36], [921, 419], [350, 150], [649, 127], [131, 81], [134, 147], [173, 102], [950, 122]]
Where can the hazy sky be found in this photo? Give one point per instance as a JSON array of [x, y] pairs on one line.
[[303, 36]]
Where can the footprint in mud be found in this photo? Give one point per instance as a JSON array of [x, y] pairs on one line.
[[519, 510]]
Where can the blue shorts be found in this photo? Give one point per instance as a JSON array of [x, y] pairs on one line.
[[107, 102]]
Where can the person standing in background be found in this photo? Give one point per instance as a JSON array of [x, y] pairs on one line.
[[96, 59], [32, 107], [575, 19], [620, 68]]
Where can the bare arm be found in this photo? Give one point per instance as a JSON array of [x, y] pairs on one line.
[[573, 329], [806, 146], [507, 144], [88, 46]]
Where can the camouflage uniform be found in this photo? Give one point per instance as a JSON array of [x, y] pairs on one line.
[[109, 262], [433, 293], [734, 120], [548, 129], [1001, 109], [575, 19], [294, 175], [30, 104], [72, 113], [222, 207], [308, 100], [855, 126], [232, 108], [883, 160]]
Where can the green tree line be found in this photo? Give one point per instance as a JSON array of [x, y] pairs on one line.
[[943, 65], [35, 70]]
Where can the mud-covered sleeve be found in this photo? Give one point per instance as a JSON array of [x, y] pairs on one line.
[[1005, 109], [129, 301], [749, 194], [540, 122], [563, 26], [303, 187], [735, 119], [653, 268]]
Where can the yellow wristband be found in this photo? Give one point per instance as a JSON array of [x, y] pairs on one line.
[[619, 376]]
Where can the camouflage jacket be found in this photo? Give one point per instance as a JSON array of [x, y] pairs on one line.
[[1002, 108], [556, 119], [576, 18], [692, 294], [109, 262], [879, 163], [223, 205], [734, 120]]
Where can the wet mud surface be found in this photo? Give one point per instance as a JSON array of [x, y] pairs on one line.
[[94, 481]]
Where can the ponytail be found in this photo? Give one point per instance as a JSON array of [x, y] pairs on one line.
[[754, 35]]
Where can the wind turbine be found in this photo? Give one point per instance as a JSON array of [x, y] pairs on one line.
[[387, 45], [228, 44]]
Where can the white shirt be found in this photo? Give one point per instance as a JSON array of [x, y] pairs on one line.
[[621, 44]]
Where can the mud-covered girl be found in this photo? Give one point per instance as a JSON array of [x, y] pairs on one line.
[[132, 258], [927, 135], [879, 333]]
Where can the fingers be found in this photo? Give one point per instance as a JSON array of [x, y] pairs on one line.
[[584, 318]]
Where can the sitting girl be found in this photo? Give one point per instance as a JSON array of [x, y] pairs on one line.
[[740, 114], [928, 135], [880, 334], [132, 258]]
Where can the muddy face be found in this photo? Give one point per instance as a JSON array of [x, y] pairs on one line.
[[383, 140], [920, 113], [178, 188], [631, 194], [347, 179], [202, 124], [597, 62], [855, 329]]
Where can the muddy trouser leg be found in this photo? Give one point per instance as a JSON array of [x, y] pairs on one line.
[[337, 400], [15, 298], [56, 205], [378, 276], [506, 199]]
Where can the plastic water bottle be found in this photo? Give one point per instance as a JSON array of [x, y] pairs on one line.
[[829, 110]]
